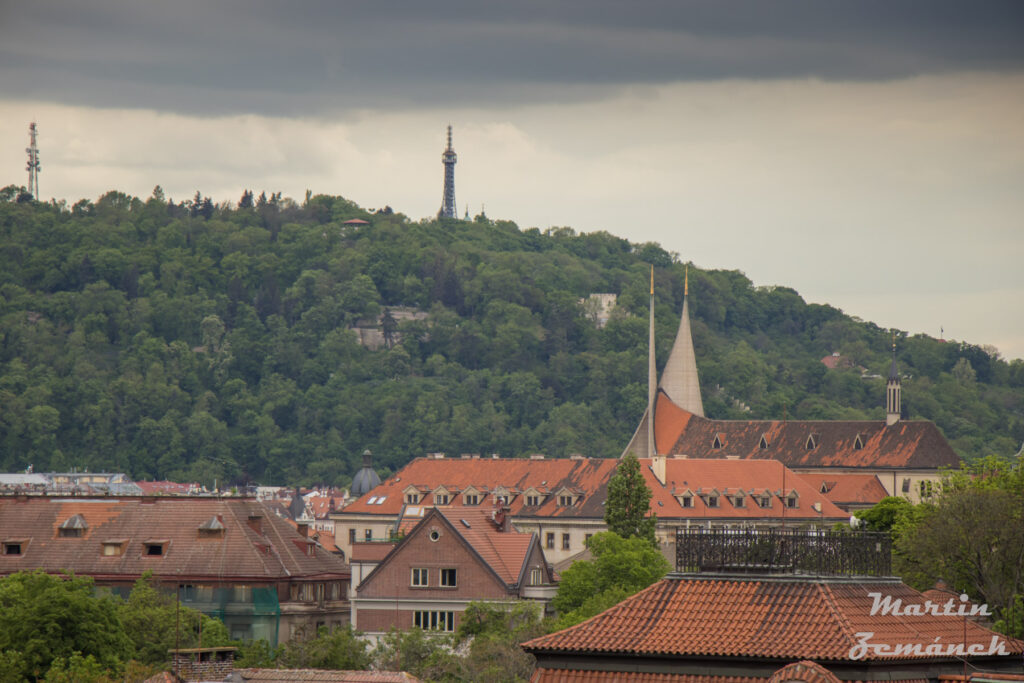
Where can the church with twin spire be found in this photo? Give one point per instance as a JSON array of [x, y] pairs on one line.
[[906, 457]]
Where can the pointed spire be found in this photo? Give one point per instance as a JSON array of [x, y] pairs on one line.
[[679, 379], [652, 376], [892, 390]]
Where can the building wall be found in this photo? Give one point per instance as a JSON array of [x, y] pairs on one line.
[[394, 577]]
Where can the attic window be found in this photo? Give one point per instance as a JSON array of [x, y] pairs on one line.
[[565, 500], [14, 547], [533, 500], [765, 501], [471, 499], [211, 528], [717, 442], [712, 501], [113, 548], [154, 548], [792, 502], [812, 442], [74, 526], [412, 498], [739, 501], [858, 443], [686, 501], [764, 443], [440, 499]]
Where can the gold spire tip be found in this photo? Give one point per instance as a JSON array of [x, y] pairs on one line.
[[686, 282]]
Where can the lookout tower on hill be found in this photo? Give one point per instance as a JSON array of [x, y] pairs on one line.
[[33, 161], [448, 158]]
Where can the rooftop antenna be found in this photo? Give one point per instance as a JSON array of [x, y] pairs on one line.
[[33, 162]]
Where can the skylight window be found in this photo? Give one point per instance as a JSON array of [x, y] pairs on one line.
[[373, 499]]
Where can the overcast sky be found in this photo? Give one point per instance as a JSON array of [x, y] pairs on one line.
[[868, 154]]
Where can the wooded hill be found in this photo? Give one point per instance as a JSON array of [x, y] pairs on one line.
[[190, 341]]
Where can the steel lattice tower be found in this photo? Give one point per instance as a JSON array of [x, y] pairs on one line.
[[448, 158], [33, 162]]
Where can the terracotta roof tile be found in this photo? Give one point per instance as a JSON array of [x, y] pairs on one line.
[[321, 676], [505, 551], [726, 477], [904, 444], [237, 551], [588, 475], [846, 489], [760, 618], [543, 675]]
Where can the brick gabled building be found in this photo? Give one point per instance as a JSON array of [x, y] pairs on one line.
[[757, 607], [227, 557], [451, 557]]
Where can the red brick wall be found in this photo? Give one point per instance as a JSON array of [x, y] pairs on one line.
[[383, 620], [393, 578]]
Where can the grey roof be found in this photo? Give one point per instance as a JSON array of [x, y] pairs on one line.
[[894, 373], [366, 478]]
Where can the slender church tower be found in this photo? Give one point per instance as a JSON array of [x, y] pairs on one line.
[[679, 381], [448, 158], [892, 391]]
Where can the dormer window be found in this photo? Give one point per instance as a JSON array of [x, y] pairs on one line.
[[739, 501], [686, 501], [764, 501], [717, 443], [858, 443], [811, 443], [791, 501], [154, 548], [440, 499], [15, 546], [471, 499], [412, 498], [533, 500], [74, 526], [712, 501], [211, 528], [565, 500], [764, 443], [114, 548]]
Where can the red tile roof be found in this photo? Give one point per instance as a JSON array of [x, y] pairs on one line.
[[589, 476], [848, 489], [543, 675], [729, 477], [321, 676], [275, 551], [761, 618], [833, 442], [505, 551]]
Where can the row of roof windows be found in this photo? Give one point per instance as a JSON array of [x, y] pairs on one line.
[[738, 498], [443, 497], [810, 444], [108, 548]]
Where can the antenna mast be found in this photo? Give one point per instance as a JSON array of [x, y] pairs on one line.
[[448, 158], [33, 162]]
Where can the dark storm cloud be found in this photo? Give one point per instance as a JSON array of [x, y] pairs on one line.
[[319, 57]]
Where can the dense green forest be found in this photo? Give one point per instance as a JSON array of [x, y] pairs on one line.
[[194, 341]]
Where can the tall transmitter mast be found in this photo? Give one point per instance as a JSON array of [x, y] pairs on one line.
[[33, 162], [448, 158]]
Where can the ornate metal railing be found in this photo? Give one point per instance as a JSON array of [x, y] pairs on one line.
[[784, 551]]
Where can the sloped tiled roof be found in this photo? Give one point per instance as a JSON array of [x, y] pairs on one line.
[[846, 489], [320, 676], [726, 476], [543, 675], [505, 551], [276, 551], [913, 444], [760, 618], [589, 475]]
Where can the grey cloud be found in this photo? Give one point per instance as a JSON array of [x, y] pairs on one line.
[[322, 57]]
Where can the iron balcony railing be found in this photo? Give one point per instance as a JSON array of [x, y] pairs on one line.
[[784, 551]]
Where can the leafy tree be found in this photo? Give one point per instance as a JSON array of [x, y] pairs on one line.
[[620, 568], [156, 623], [885, 514], [341, 648], [627, 509], [971, 534], [45, 618]]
